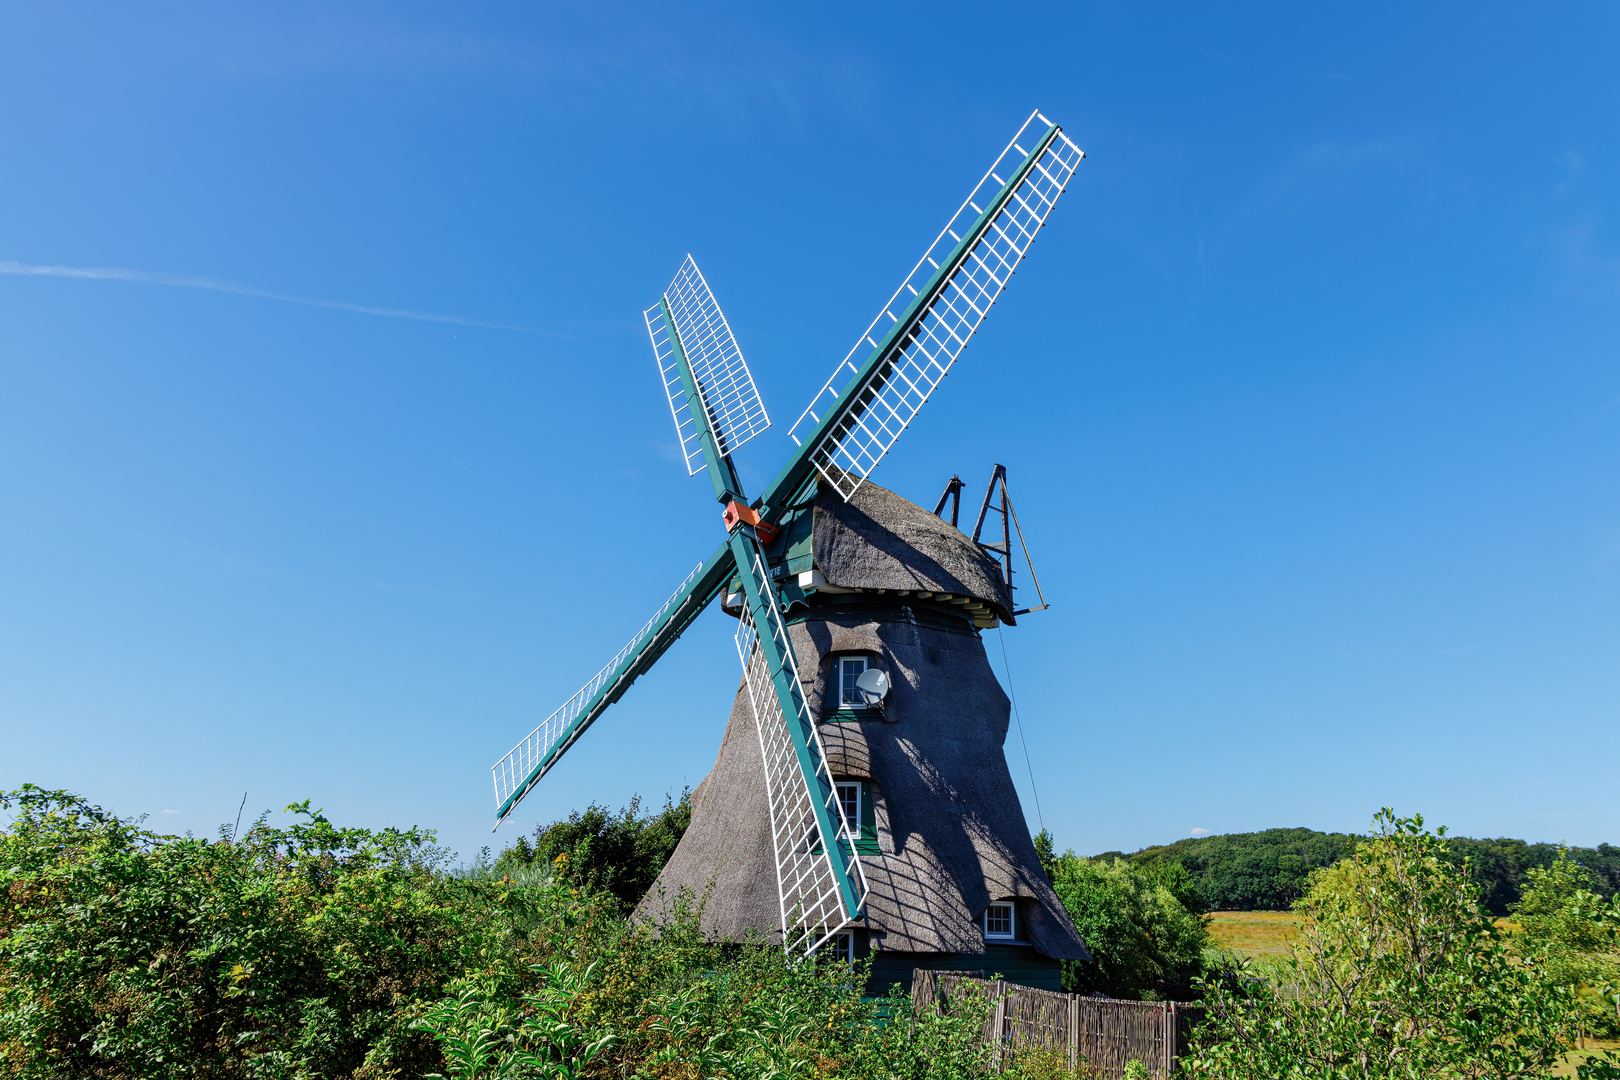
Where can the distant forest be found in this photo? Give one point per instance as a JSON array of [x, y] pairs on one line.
[[1266, 871]]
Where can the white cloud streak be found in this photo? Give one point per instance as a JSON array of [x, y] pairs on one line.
[[193, 281]]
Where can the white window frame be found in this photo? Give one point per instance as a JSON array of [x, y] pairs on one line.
[[838, 680], [842, 946], [1011, 934], [853, 825]]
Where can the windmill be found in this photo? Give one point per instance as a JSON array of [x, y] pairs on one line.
[[790, 750]]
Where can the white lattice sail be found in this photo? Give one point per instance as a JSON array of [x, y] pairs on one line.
[[929, 319], [527, 762], [806, 878], [735, 410]]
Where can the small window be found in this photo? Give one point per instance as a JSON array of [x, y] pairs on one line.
[[842, 946], [849, 800], [998, 921], [850, 669]]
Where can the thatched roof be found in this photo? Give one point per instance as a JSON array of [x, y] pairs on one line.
[[951, 832], [879, 541]]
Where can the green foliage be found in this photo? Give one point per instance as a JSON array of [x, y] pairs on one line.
[[1027, 1064], [315, 951], [1268, 871], [620, 854], [1502, 867], [1262, 871], [1145, 943], [1573, 932], [288, 952], [485, 1039], [1397, 973]]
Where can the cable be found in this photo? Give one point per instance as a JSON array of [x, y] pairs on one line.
[[1011, 693]]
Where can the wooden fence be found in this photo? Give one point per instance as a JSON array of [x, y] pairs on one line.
[[1105, 1033]]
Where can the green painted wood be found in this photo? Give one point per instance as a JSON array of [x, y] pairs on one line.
[[727, 488], [1019, 964], [745, 548], [795, 476], [688, 606], [867, 841]]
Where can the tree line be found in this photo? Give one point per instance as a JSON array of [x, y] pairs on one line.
[[1269, 870]]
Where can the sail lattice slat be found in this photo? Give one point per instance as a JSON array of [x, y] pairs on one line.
[[929, 319], [518, 770], [807, 880], [686, 429], [736, 411]]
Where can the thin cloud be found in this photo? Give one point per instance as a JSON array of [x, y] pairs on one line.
[[168, 811], [1199, 832], [192, 281]]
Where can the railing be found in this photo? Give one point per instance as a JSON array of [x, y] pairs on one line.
[[1103, 1033]]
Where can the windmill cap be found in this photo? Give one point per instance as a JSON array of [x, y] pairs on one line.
[[880, 542]]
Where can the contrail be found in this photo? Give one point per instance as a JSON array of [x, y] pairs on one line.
[[192, 281]]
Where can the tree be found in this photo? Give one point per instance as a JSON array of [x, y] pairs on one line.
[[1573, 930], [1398, 973], [620, 854], [1144, 942]]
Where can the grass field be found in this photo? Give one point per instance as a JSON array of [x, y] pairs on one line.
[[1594, 1047], [1254, 934]]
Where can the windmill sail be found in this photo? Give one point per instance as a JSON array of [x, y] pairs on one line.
[[732, 402], [907, 350], [819, 878], [523, 766]]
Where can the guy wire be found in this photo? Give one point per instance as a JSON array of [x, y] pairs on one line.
[[1011, 693]]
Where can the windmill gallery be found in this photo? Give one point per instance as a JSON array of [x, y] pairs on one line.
[[860, 802]]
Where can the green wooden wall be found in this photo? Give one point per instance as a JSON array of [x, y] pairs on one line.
[[1019, 964]]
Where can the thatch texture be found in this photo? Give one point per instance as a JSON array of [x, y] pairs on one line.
[[951, 832], [879, 541]]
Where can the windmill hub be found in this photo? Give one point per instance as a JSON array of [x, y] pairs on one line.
[[860, 802]]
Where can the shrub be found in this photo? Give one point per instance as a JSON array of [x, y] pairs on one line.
[[1573, 932], [620, 854], [1144, 942], [317, 951], [1398, 973]]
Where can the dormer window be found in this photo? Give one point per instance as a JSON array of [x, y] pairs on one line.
[[849, 668], [998, 922], [849, 800], [860, 816]]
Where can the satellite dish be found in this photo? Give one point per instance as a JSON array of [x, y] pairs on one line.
[[873, 686]]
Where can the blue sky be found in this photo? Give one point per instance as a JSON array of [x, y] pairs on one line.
[[1309, 392]]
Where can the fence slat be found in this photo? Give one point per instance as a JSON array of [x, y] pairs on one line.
[[1105, 1032]]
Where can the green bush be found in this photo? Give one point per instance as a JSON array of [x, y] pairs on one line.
[[1397, 973], [1144, 942], [315, 951], [620, 854], [299, 951], [1573, 931]]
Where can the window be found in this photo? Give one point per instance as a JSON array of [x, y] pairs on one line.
[[998, 921], [841, 946], [849, 800], [849, 669]]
